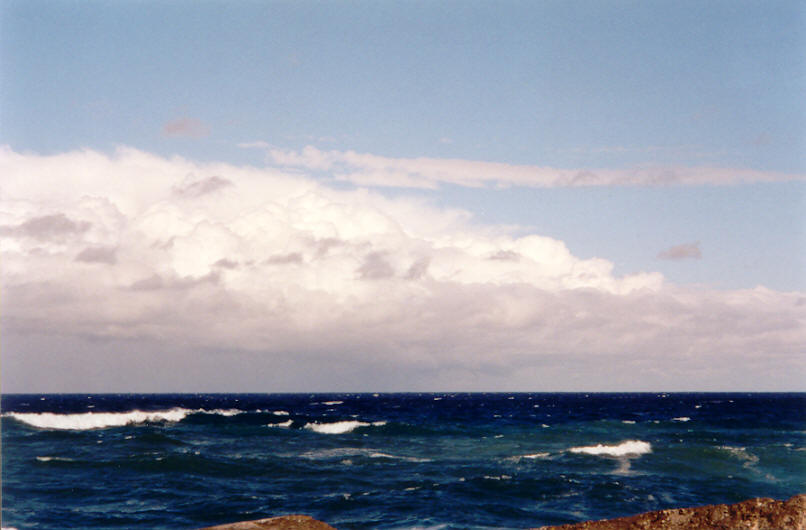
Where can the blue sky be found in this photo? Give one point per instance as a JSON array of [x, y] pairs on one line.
[[402, 99], [563, 84]]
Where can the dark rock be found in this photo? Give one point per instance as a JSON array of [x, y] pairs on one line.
[[286, 522], [754, 514]]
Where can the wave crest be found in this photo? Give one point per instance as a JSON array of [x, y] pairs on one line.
[[85, 421], [626, 448], [340, 427]]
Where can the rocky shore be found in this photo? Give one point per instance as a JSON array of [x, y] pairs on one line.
[[753, 514], [286, 522]]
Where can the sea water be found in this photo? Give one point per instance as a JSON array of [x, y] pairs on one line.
[[459, 461]]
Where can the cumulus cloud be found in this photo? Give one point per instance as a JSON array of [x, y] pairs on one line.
[[683, 251], [185, 127], [366, 169], [280, 267]]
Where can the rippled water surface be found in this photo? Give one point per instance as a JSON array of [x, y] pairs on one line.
[[390, 460]]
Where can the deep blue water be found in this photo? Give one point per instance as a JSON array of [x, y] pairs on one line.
[[390, 460]]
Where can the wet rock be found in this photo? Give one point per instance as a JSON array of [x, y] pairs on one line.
[[286, 522], [754, 514]]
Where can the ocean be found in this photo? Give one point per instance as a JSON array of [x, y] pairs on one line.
[[397, 461]]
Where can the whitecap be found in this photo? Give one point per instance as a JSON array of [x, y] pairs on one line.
[[97, 420], [628, 422], [395, 457], [533, 456], [280, 413], [53, 459], [332, 402], [682, 419], [285, 424], [221, 412], [626, 448], [340, 427], [740, 453]]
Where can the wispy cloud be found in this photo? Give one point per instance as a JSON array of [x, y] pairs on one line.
[[683, 251], [365, 169], [186, 127]]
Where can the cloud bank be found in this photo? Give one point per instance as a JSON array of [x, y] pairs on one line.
[[267, 268], [372, 170]]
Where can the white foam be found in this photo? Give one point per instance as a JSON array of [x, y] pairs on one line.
[[395, 457], [628, 422], [340, 427], [97, 420], [102, 420], [682, 418], [332, 402], [285, 424], [741, 454], [280, 413], [346, 453], [53, 459], [626, 448], [221, 412], [533, 456]]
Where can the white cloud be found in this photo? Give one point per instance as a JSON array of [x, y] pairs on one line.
[[214, 257], [372, 170]]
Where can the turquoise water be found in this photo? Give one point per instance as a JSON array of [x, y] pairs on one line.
[[390, 460]]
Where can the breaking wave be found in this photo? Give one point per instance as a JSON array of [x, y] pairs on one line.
[[626, 448], [101, 420], [53, 459], [740, 453], [340, 427]]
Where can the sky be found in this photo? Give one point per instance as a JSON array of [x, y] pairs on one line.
[[402, 196]]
